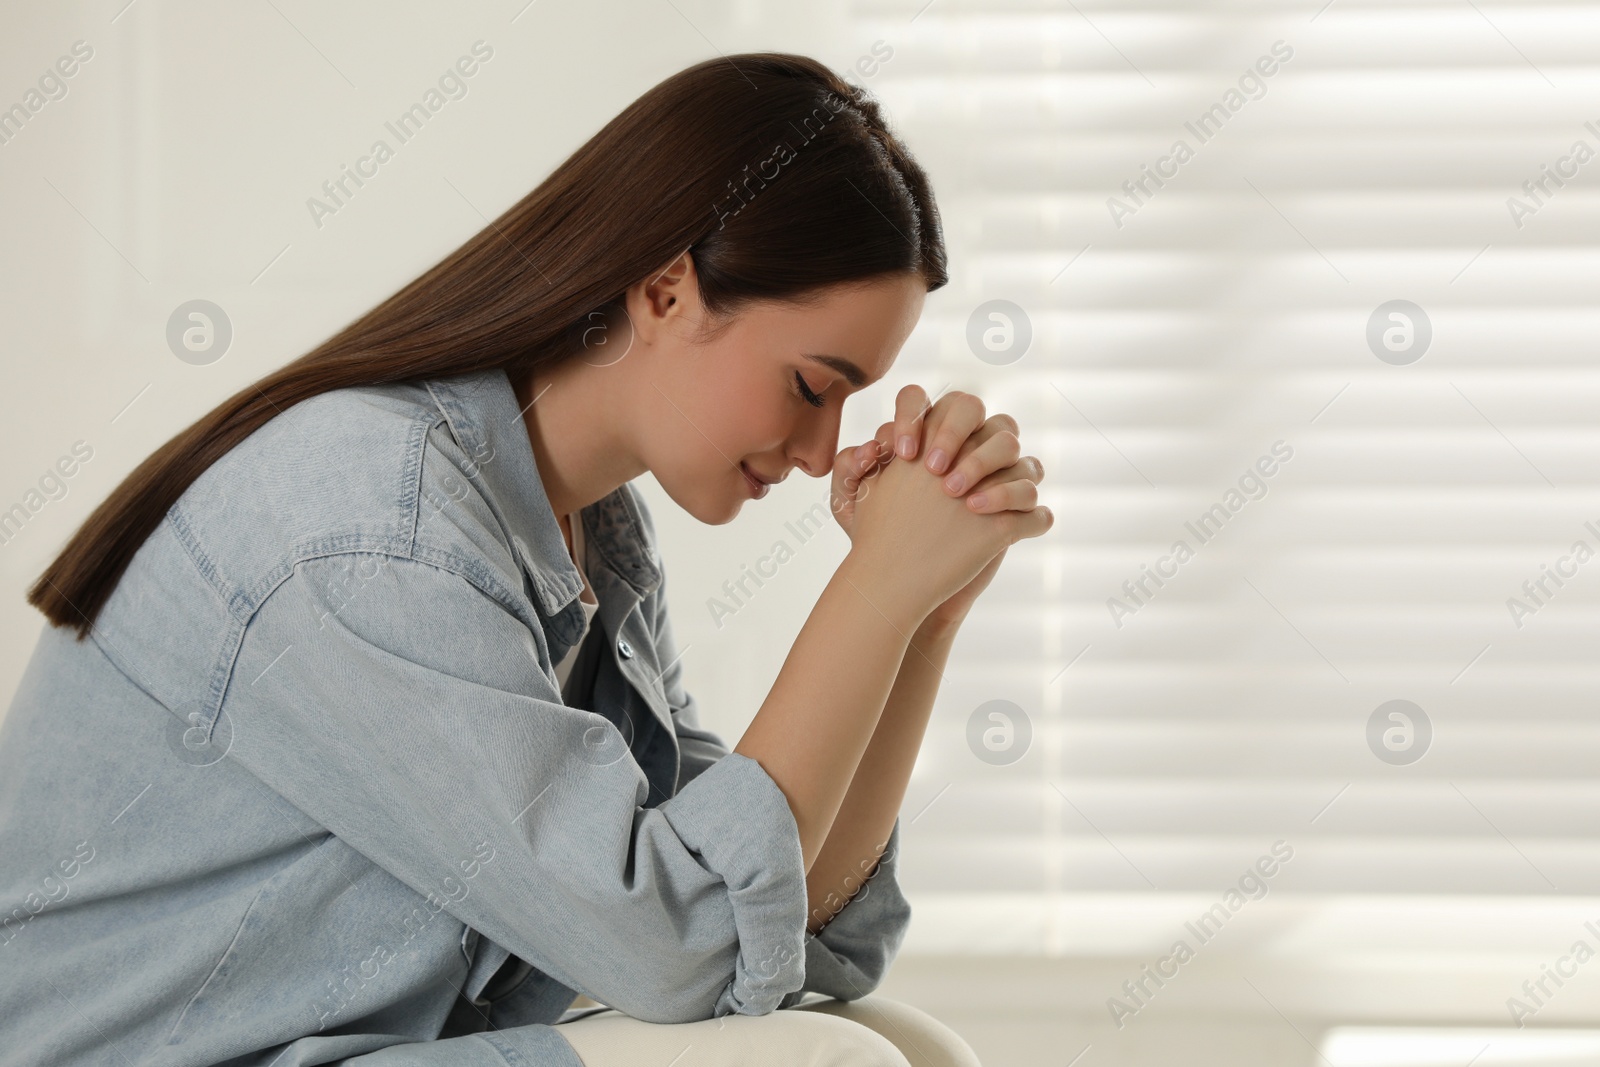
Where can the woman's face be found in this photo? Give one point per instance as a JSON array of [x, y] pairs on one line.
[[738, 401]]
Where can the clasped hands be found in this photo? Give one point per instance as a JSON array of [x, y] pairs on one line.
[[979, 455]]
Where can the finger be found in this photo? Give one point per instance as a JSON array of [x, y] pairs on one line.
[[1018, 494], [847, 461], [994, 424], [952, 420], [846, 477], [1027, 467], [994, 452], [885, 436], [1031, 523], [910, 407], [1025, 472], [869, 459], [883, 441], [1034, 523], [863, 456]]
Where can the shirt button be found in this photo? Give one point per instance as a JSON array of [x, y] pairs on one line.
[[626, 649]]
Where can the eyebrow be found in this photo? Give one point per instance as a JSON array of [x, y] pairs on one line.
[[853, 374]]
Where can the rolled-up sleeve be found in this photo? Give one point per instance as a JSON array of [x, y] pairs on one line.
[[409, 715], [849, 956]]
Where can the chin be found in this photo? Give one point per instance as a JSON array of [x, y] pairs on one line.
[[723, 512], [719, 515], [712, 508]]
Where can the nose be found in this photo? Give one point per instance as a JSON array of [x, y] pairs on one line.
[[813, 447]]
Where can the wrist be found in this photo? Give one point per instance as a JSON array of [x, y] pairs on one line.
[[905, 613]]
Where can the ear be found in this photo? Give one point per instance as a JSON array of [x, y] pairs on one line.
[[673, 291]]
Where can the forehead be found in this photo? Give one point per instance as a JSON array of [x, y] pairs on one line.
[[855, 330]]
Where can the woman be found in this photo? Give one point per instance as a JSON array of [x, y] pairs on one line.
[[360, 734]]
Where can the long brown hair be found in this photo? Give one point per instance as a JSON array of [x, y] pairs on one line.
[[778, 175]]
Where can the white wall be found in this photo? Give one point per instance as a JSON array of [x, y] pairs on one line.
[[1172, 345]]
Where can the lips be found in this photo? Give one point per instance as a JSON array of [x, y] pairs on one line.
[[758, 487]]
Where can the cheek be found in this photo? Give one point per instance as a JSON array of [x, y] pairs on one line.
[[741, 417], [722, 408], [697, 441]]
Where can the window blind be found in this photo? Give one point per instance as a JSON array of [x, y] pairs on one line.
[[1315, 400]]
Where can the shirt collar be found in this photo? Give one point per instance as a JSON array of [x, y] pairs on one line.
[[483, 413]]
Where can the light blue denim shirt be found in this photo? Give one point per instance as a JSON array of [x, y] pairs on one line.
[[309, 790]]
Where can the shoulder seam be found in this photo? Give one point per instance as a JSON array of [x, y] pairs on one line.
[[448, 563], [241, 603]]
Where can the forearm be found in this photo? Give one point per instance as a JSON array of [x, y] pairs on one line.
[[861, 829], [814, 726]]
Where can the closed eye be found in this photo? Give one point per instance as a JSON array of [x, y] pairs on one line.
[[816, 400]]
